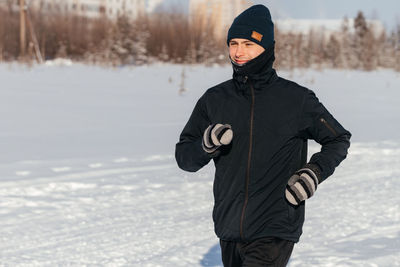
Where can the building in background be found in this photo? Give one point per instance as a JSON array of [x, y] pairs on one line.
[[218, 14], [92, 8], [130, 8], [153, 4]]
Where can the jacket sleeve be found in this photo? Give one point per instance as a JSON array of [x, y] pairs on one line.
[[189, 153], [318, 124]]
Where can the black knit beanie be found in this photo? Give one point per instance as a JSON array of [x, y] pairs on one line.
[[254, 24]]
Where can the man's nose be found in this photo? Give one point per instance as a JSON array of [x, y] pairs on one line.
[[239, 51]]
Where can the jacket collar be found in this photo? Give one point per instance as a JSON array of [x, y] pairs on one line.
[[258, 71]]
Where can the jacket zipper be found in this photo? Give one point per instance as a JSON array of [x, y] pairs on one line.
[[328, 126], [246, 197]]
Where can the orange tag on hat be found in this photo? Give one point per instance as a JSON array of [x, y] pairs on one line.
[[257, 36]]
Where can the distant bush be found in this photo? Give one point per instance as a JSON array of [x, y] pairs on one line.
[[170, 36]]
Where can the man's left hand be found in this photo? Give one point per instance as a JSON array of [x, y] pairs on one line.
[[301, 186]]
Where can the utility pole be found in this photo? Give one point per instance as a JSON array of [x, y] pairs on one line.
[[22, 34]]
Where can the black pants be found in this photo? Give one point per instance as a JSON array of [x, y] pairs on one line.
[[268, 251]]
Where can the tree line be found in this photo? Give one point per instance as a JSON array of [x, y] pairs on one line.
[[171, 37]]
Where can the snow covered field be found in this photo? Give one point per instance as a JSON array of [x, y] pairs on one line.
[[88, 176]]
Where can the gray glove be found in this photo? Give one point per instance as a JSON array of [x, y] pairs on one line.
[[302, 185], [215, 136]]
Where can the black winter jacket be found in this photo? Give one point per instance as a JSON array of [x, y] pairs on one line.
[[271, 119]]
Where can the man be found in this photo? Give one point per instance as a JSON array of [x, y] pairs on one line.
[[255, 128]]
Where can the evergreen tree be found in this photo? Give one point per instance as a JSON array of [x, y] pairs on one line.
[[347, 57], [140, 37], [333, 52], [128, 42], [191, 54], [302, 52], [397, 48], [364, 43], [386, 52], [122, 41]]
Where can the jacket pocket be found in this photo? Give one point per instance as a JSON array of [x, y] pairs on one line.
[[328, 126], [292, 212]]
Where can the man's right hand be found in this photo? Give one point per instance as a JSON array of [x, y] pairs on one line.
[[215, 136]]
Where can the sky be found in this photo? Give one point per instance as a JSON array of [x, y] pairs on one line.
[[388, 11]]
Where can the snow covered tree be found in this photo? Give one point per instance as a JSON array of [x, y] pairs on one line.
[[333, 52], [302, 52], [281, 58], [346, 40], [397, 48], [191, 54], [122, 41], [360, 27], [128, 42], [316, 48], [386, 54], [364, 43]]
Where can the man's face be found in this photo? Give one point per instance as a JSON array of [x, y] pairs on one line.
[[243, 50]]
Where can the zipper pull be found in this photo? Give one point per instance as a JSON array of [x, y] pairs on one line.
[[245, 79], [330, 128]]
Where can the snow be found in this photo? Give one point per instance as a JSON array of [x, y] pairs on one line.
[[88, 176], [153, 4]]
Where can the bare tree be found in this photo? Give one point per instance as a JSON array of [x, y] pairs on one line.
[[170, 36]]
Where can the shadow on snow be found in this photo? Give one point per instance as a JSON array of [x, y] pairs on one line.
[[212, 257]]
